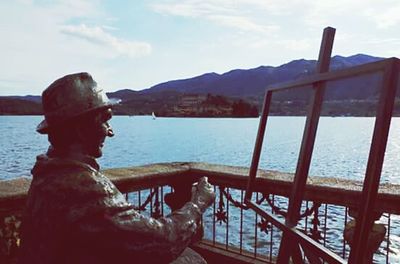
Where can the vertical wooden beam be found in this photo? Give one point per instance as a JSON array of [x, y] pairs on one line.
[[365, 218], [310, 255], [307, 145], [258, 146]]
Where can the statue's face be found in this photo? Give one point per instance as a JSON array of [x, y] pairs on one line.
[[96, 132]]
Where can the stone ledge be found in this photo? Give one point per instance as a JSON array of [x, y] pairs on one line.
[[326, 190]]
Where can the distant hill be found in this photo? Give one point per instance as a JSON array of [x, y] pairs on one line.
[[11, 106], [354, 96], [31, 98], [252, 82], [176, 104]]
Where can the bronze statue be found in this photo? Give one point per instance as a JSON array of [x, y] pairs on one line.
[[74, 213]]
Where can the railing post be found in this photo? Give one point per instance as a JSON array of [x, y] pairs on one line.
[[180, 195], [375, 238]]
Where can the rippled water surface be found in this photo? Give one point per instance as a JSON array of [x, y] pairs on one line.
[[341, 150]]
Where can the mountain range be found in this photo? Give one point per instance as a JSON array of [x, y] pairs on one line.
[[250, 82], [246, 85]]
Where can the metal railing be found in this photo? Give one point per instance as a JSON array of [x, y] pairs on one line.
[[228, 225]]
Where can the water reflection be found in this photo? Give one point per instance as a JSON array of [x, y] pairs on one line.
[[341, 147]]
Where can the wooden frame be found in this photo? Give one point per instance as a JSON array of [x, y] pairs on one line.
[[292, 238]]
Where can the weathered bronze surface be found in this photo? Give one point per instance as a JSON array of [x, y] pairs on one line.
[[74, 214], [69, 97]]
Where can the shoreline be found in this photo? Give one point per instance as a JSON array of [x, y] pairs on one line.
[[274, 115]]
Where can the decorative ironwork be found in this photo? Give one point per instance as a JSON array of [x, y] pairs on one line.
[[9, 235], [264, 225], [307, 212], [156, 213], [274, 207], [221, 214], [142, 207], [315, 233], [233, 201]]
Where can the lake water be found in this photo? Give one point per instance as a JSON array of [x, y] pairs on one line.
[[341, 150]]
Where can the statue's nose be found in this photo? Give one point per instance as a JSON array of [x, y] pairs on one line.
[[110, 131]]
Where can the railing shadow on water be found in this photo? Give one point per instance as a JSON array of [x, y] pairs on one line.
[[230, 229]]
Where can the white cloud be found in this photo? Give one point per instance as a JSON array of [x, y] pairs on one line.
[[296, 45], [385, 16], [192, 8], [241, 23], [377, 41], [43, 40], [220, 12], [383, 13], [98, 36], [40, 43]]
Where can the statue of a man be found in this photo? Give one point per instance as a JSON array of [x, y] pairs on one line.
[[74, 213]]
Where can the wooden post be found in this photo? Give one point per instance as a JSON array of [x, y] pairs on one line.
[[257, 147], [365, 217], [288, 246]]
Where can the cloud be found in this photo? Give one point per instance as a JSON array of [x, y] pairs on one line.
[[241, 23], [192, 8], [259, 15], [220, 12], [385, 16], [98, 36], [377, 41], [44, 40]]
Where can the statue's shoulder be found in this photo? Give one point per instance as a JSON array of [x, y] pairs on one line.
[[59, 175]]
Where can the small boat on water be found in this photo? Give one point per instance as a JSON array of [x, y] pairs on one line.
[[153, 116]]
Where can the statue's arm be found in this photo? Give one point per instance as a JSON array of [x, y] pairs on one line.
[[110, 223]]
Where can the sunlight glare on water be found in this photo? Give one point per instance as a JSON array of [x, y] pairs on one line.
[[341, 148]]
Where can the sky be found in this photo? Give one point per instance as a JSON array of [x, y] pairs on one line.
[[138, 44]]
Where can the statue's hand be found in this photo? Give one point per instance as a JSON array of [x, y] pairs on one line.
[[203, 194]]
